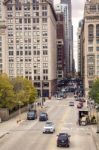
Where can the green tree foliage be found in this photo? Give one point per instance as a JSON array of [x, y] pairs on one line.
[[15, 92], [23, 90], [7, 99], [94, 91]]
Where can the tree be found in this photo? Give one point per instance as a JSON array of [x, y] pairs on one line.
[[16, 92], [94, 92], [24, 90], [7, 99]]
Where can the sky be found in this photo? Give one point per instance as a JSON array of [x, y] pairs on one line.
[[77, 15]]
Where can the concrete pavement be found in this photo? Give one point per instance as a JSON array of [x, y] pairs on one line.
[[6, 126], [95, 135]]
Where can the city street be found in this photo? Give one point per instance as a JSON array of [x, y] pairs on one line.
[[28, 135]]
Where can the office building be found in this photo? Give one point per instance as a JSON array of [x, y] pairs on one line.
[[31, 42], [90, 44], [60, 46], [79, 47], [65, 8]]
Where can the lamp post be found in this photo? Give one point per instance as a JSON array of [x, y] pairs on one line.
[[19, 103], [97, 119], [42, 93]]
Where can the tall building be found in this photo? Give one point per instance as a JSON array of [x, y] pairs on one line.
[[2, 39], [67, 10], [90, 43], [79, 46], [31, 42], [60, 46]]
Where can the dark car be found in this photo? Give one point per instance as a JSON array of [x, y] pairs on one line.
[[32, 115], [63, 140], [43, 116]]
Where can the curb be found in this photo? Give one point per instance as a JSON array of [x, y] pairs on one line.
[[4, 135], [94, 138]]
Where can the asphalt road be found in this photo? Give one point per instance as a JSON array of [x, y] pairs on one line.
[[28, 135]]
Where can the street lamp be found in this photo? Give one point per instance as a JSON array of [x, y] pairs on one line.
[[97, 119], [19, 104], [42, 93]]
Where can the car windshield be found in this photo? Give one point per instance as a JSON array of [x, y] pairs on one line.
[[49, 123], [63, 135], [31, 113], [42, 114]]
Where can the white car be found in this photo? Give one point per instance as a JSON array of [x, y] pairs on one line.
[[49, 127]]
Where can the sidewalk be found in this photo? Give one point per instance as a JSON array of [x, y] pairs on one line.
[[11, 124], [6, 126], [95, 135]]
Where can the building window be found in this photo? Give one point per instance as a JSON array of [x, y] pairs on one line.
[[10, 52], [35, 7], [45, 71], [45, 77], [20, 20], [44, 13], [90, 60], [90, 49], [44, 20], [45, 58], [44, 7], [90, 84], [45, 52], [36, 84], [98, 57], [91, 71], [97, 48], [97, 30], [9, 7], [35, 20], [45, 65], [90, 33]]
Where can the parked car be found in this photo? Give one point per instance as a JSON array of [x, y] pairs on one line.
[[49, 127], [63, 140], [43, 116], [71, 103], [32, 115]]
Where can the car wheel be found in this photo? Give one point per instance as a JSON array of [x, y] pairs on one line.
[[57, 145]]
